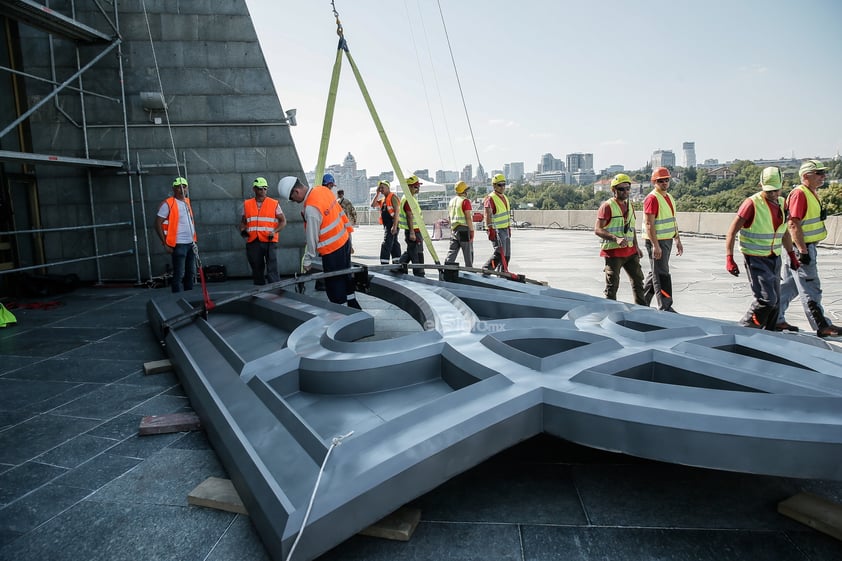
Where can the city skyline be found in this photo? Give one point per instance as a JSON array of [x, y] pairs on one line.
[[615, 79]]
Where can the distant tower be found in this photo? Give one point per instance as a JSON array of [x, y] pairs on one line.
[[663, 158], [689, 149]]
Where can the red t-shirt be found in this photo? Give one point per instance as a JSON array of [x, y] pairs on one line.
[[650, 204], [746, 212], [604, 214], [796, 204], [408, 210]]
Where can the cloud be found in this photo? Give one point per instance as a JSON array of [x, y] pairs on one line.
[[617, 142]]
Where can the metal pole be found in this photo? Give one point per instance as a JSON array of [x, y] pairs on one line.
[[143, 210]]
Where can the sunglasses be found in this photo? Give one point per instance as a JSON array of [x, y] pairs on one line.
[[623, 188], [499, 184], [820, 172], [662, 181], [262, 188]]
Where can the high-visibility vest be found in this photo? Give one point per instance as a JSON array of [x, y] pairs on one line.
[[665, 227], [171, 234], [403, 221], [388, 205], [262, 221], [812, 224], [618, 226], [455, 212], [333, 232], [761, 238], [500, 218]]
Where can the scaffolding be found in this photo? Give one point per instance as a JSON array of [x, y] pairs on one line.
[[57, 25]]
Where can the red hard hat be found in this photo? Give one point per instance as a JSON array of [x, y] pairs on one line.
[[660, 173]]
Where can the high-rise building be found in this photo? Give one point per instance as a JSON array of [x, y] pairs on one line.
[[515, 171], [579, 161], [689, 149], [550, 163], [663, 158], [467, 173]]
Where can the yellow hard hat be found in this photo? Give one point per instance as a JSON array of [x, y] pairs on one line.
[[179, 181], [620, 178], [260, 182], [461, 187], [383, 182], [412, 180], [499, 178]]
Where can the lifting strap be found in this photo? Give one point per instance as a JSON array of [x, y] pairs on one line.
[[417, 215]]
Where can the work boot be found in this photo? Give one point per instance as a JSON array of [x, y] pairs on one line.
[[784, 326], [828, 331]]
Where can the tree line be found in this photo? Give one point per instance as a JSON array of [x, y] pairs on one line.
[[694, 190]]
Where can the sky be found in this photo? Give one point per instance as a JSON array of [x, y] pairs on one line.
[[743, 79]]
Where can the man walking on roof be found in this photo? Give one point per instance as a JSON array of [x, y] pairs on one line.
[[806, 217], [461, 226], [410, 223], [177, 231], [261, 222], [660, 229], [326, 230], [762, 227], [387, 202], [498, 225], [615, 224]]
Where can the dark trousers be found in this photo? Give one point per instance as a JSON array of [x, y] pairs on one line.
[[339, 289], [414, 252], [764, 275], [263, 259], [631, 264], [658, 282], [183, 267], [390, 247]]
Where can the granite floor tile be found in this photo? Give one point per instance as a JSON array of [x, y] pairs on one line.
[[11, 418], [10, 363], [144, 446], [94, 531], [21, 394], [36, 347], [195, 440], [816, 545], [39, 506], [436, 541], [118, 428], [97, 471], [239, 543], [161, 405], [550, 543], [37, 435], [59, 400], [128, 344], [76, 451], [25, 478], [107, 402], [66, 369], [163, 380]]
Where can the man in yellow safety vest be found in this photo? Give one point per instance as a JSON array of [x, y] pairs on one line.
[[660, 230]]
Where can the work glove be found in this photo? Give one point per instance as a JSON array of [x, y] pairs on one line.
[[244, 233], [804, 258], [492, 235], [794, 263], [271, 236], [730, 266]]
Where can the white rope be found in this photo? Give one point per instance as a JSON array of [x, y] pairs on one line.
[[337, 440], [161, 90]]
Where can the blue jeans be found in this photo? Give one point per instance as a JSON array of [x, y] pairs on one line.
[[183, 267]]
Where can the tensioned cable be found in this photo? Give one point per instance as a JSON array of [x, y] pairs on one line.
[[459, 83], [161, 89]]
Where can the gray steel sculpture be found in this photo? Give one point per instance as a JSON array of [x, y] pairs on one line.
[[276, 377]]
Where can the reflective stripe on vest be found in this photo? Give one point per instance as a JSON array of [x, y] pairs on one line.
[[618, 226], [403, 221], [260, 222], [665, 227], [500, 218], [761, 238], [171, 235], [333, 232], [455, 212], [812, 224], [387, 205]]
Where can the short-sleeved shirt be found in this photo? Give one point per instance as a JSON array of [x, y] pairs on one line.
[[408, 210], [796, 204], [746, 212], [650, 204], [184, 233], [604, 214]]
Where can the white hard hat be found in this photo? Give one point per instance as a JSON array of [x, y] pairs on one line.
[[285, 186]]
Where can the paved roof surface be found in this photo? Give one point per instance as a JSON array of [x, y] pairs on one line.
[[76, 482]]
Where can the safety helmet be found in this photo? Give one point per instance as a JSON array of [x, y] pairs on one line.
[[412, 180], [383, 182], [328, 179], [285, 187], [770, 179], [461, 187], [811, 166], [179, 181], [499, 178], [620, 178], [660, 173], [260, 182]]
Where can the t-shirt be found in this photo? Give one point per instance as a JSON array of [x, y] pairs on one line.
[[408, 210], [184, 234], [604, 213], [746, 212], [796, 205], [650, 204]]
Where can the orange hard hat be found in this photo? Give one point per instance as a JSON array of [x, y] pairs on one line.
[[660, 173]]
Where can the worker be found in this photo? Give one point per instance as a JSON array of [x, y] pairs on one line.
[[350, 212], [261, 222], [174, 225], [498, 225], [461, 226], [763, 231], [387, 202], [408, 222], [327, 234], [806, 217], [660, 230], [615, 224]]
